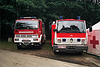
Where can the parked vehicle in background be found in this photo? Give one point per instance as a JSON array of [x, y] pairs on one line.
[[29, 31], [69, 35]]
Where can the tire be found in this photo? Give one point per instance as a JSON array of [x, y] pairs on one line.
[[19, 47], [40, 45], [43, 42]]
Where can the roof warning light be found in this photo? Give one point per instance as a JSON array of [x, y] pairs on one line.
[[78, 17], [61, 17]]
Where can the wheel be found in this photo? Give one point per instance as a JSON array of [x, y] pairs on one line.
[[43, 42], [40, 45], [19, 47]]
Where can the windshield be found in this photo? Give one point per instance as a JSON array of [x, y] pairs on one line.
[[71, 27], [30, 24]]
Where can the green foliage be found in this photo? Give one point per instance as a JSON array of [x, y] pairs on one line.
[[48, 10], [7, 45]]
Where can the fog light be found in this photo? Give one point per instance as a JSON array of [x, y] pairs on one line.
[[32, 44], [57, 50]]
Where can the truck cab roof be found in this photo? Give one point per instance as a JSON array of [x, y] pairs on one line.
[[70, 20]]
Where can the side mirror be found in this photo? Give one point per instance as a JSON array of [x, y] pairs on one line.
[[90, 29], [54, 30]]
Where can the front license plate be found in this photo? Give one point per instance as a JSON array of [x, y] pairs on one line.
[[61, 46], [25, 41]]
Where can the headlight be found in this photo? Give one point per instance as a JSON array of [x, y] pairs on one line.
[[59, 40]]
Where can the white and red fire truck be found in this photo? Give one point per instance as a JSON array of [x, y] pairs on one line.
[[69, 35], [29, 31]]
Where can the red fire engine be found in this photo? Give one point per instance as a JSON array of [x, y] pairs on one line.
[[29, 31], [69, 35]]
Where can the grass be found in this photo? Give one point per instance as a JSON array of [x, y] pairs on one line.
[[47, 46], [10, 46], [7, 45]]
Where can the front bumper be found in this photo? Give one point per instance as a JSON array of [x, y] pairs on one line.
[[27, 41], [68, 48], [28, 44]]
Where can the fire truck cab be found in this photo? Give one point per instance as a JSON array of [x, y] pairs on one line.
[[69, 35], [29, 31]]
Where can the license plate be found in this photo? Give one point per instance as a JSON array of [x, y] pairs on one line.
[[26, 41], [61, 46]]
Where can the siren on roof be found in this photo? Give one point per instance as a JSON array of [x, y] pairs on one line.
[[61, 17], [78, 17]]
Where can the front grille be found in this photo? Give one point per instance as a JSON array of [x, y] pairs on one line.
[[69, 41], [24, 35], [29, 35]]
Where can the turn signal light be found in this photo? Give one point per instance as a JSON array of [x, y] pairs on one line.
[[59, 40], [83, 39]]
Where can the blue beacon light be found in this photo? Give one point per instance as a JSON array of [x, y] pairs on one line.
[[61, 17], [78, 17]]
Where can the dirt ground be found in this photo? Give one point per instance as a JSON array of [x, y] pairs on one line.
[[13, 59], [46, 51]]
